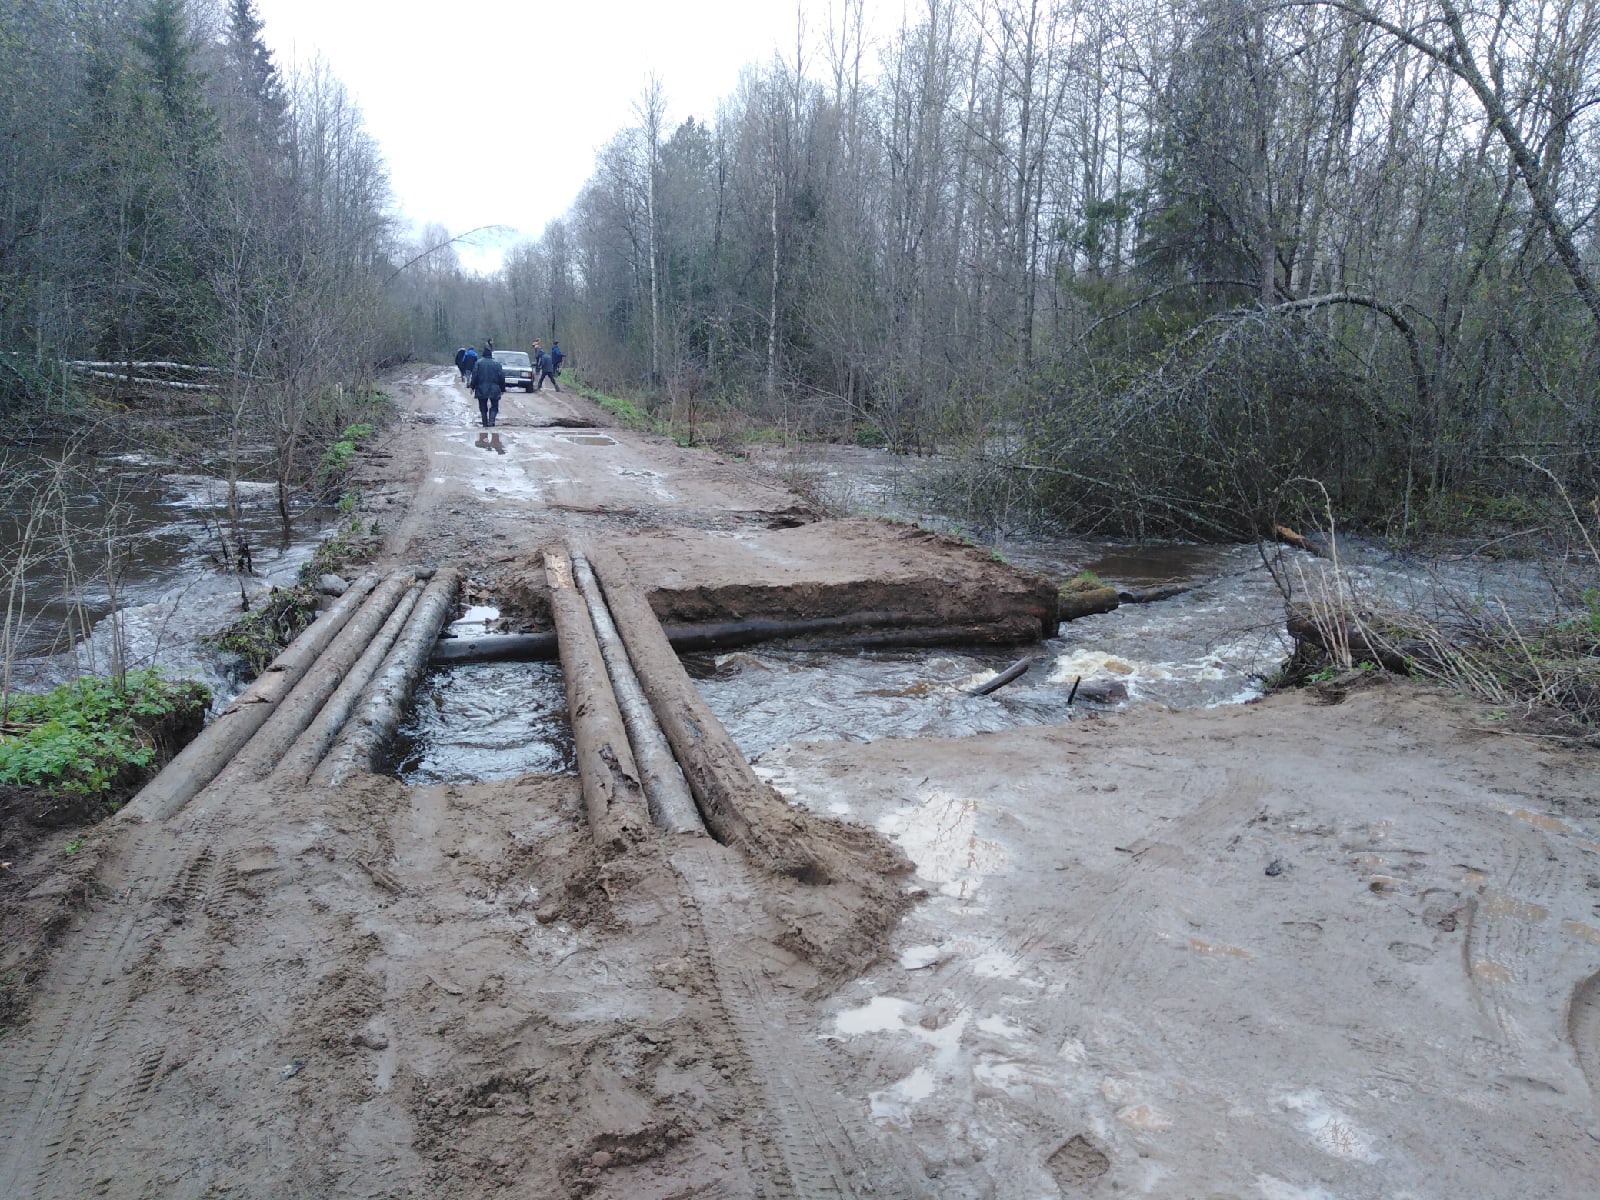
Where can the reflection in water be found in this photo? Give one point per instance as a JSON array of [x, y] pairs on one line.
[[490, 441], [486, 721]]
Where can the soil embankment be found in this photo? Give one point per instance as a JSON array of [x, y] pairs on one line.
[[1287, 949]]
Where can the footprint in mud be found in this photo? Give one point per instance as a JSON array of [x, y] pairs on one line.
[[1078, 1162], [1407, 952]]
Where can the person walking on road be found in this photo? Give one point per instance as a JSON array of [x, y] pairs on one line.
[[546, 371], [469, 360], [556, 356], [488, 382]]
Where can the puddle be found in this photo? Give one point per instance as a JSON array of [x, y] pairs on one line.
[[587, 439], [482, 721]]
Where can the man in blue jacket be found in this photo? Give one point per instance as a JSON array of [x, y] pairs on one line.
[[488, 382], [469, 359]]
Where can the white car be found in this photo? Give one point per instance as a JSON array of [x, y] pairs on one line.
[[518, 368]]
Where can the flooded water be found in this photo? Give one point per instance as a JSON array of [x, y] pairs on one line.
[[486, 721], [135, 558]]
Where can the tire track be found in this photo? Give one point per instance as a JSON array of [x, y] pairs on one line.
[[803, 1136], [52, 1135], [1583, 1030]]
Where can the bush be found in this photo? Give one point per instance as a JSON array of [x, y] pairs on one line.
[[95, 735], [258, 637]]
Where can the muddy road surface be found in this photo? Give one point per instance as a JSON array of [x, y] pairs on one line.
[[1322, 946]]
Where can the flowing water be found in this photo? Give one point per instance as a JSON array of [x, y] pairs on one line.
[[136, 560], [1216, 643], [485, 720]]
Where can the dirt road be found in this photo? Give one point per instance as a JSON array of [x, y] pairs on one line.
[[1290, 950]]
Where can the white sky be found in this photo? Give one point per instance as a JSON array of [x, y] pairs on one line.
[[547, 84]]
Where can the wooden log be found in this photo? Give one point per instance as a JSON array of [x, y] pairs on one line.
[[1080, 601], [204, 758], [665, 790], [1015, 671], [613, 793], [261, 753], [737, 807], [383, 701], [1151, 595], [1334, 633], [310, 747]]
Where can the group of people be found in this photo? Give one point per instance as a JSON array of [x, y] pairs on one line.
[[486, 378]]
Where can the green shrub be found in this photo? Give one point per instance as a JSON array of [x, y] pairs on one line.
[[259, 636], [92, 735], [337, 458]]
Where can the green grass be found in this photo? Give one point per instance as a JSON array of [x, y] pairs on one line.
[[336, 459], [625, 410], [92, 735]]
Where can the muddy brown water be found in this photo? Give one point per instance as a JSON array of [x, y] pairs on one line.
[[151, 546]]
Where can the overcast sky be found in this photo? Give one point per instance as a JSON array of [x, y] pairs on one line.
[[544, 84]]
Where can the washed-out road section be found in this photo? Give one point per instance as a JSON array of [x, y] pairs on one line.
[[1293, 950]]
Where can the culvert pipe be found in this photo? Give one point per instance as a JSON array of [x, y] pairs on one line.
[[203, 759], [362, 738], [666, 793]]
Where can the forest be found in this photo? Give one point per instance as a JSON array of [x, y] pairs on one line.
[[1182, 268]]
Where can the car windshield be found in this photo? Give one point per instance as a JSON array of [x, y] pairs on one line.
[[512, 358]]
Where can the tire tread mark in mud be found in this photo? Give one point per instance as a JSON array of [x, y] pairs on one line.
[[756, 1131], [1583, 1030], [809, 1149], [86, 991], [1503, 933]]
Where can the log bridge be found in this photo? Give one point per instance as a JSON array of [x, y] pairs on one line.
[[652, 758]]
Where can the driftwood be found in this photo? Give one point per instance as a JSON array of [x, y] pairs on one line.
[[1332, 634], [1015, 671], [667, 794], [205, 757], [612, 791], [738, 808], [383, 701]]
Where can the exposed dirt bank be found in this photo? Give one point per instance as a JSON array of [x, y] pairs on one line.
[[1286, 950]]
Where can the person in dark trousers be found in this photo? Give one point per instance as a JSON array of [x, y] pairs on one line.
[[469, 360], [488, 382], [556, 356], [546, 371], [460, 352]]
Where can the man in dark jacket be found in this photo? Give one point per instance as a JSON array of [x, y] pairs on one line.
[[556, 356], [546, 371], [488, 381]]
